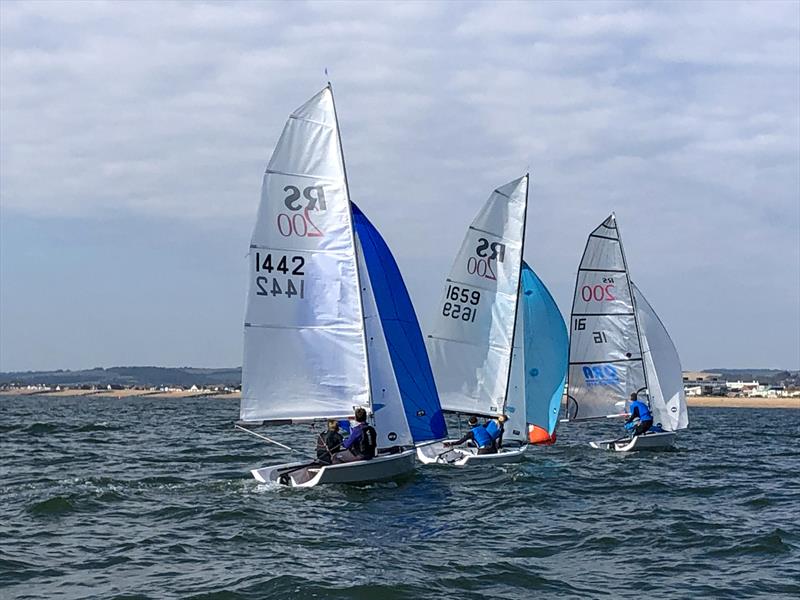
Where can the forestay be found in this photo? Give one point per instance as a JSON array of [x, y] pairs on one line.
[[605, 357], [472, 334], [404, 397], [546, 351], [304, 347], [664, 377]]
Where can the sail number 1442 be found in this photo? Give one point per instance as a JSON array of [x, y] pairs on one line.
[[282, 270]]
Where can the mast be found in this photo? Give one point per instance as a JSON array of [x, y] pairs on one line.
[[519, 283], [633, 303], [355, 246]]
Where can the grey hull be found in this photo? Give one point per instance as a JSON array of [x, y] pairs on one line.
[[648, 441], [299, 474]]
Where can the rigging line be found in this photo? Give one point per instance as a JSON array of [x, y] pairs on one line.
[[270, 440]]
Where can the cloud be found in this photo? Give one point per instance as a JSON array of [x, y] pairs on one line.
[[682, 117]]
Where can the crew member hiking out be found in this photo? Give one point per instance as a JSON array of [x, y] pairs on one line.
[[639, 410], [479, 435], [329, 442], [361, 443]]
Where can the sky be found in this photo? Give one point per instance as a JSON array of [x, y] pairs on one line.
[[134, 135]]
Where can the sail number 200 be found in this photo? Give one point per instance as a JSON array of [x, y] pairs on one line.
[[461, 303]]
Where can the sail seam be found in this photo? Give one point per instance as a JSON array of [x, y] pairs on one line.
[[602, 362], [298, 250], [497, 235], [444, 339], [314, 122], [602, 314], [605, 237], [269, 171], [603, 270]]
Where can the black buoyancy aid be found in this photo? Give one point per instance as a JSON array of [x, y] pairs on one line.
[[367, 442]]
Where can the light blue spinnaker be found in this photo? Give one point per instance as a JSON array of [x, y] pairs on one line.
[[546, 352], [409, 358]]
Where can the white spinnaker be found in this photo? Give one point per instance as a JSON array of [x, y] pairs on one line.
[[387, 403], [516, 428], [304, 347], [605, 361], [471, 336], [664, 375]]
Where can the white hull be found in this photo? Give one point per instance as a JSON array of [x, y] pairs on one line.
[[648, 441], [464, 456], [379, 468]]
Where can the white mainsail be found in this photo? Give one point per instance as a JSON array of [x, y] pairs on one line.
[[471, 339], [664, 377], [304, 345], [605, 355]]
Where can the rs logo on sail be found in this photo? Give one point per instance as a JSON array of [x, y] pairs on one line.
[[297, 223], [601, 375]]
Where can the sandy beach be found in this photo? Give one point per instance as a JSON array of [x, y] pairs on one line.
[[693, 401]]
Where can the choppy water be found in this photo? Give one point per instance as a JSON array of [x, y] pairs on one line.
[[152, 499]]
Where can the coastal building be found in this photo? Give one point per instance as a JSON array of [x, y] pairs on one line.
[[710, 384]]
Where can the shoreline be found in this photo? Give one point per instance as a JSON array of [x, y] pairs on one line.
[[692, 401]]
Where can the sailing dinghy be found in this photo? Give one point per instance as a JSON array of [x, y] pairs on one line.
[[476, 342], [329, 326], [618, 346]]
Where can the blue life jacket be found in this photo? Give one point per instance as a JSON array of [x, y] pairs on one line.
[[481, 436], [644, 412], [493, 429]]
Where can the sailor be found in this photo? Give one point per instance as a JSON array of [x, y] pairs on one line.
[[495, 428], [639, 410], [361, 443], [329, 442], [479, 435]]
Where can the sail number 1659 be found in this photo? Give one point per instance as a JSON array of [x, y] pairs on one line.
[[461, 303]]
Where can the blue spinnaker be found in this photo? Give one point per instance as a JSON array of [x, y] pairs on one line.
[[546, 352], [409, 357]]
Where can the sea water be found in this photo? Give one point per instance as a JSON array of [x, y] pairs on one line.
[[152, 498]]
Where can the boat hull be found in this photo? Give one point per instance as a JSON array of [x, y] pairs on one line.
[[648, 441], [462, 457], [301, 474]]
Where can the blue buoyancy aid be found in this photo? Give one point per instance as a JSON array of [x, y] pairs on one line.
[[644, 412], [481, 436], [493, 429]]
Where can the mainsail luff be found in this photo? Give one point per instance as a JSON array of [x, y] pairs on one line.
[[352, 234], [519, 285], [633, 298]]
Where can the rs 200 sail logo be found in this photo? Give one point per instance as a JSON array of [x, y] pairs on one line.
[[300, 203], [601, 375], [487, 255]]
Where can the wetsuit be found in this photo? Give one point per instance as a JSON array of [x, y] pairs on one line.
[[359, 445], [328, 443], [481, 437], [640, 410]]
